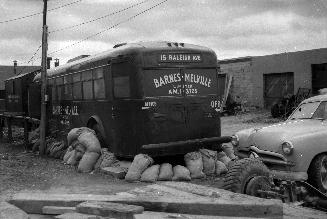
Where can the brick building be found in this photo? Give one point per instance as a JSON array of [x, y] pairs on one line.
[[262, 80]]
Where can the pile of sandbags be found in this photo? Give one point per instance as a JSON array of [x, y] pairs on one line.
[[142, 170], [55, 149], [106, 159], [198, 164], [84, 149]]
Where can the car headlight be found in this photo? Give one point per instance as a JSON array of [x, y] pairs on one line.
[[235, 140], [287, 147]]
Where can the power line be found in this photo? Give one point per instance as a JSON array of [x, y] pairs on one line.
[[38, 13], [93, 20], [31, 59], [115, 25]]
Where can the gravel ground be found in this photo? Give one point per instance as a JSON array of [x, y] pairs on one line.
[[21, 171]]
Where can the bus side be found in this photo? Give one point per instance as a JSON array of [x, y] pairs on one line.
[[79, 98]]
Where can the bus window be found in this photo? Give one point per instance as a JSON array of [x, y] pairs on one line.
[[98, 83], [68, 87], [60, 87], [121, 79], [77, 86], [76, 77], [87, 90], [87, 85], [98, 73], [86, 75], [121, 87], [200, 82], [77, 90]]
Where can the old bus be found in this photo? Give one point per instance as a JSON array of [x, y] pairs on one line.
[[160, 98]]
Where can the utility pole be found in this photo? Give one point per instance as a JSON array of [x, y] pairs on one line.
[[44, 96]]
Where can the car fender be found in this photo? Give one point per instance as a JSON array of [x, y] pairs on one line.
[[306, 147]]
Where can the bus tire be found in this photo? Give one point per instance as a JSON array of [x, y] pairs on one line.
[[242, 172]]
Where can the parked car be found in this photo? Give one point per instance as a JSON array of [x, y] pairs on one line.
[[295, 149]]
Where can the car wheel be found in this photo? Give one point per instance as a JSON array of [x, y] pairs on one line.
[[318, 172], [242, 174]]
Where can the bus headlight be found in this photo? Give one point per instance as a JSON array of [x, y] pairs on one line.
[[235, 140], [287, 147]]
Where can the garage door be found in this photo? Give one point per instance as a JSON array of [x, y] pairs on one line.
[[277, 86], [319, 77]]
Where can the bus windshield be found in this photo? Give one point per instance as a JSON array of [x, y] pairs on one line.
[[177, 82]]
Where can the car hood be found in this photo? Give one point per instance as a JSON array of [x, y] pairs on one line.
[[271, 137]]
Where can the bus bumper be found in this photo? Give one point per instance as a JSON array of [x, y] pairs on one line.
[[183, 147]]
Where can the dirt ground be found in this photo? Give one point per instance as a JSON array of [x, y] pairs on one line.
[[21, 171]]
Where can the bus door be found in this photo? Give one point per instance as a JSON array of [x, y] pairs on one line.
[[164, 106], [201, 102]]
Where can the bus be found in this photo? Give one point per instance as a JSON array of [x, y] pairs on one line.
[[159, 98]]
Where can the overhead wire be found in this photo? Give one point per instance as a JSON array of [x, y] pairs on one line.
[[98, 18], [111, 27], [38, 13], [40, 46]]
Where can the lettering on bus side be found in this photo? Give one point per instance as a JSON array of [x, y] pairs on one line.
[[65, 110]]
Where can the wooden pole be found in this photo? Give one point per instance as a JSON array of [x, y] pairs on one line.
[[44, 81]]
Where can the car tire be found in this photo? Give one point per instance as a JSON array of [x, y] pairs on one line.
[[318, 172], [241, 173]]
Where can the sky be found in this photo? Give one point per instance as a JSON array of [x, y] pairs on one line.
[[232, 28]]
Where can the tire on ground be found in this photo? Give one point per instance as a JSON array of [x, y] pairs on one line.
[[314, 173], [241, 172]]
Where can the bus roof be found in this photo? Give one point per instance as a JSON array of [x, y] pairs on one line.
[[124, 49]]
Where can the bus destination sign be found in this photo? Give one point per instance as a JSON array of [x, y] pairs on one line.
[[180, 57]]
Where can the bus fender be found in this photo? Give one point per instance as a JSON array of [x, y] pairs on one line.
[[96, 120]]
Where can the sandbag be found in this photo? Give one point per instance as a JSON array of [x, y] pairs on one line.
[[76, 132], [209, 158], [220, 168], [49, 145], [150, 174], [229, 151], [68, 154], [223, 158], [72, 158], [181, 173], [193, 161], [98, 163], [89, 141], [87, 162], [59, 146], [108, 159], [139, 164], [165, 172]]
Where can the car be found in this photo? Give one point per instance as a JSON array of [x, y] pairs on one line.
[[295, 149]]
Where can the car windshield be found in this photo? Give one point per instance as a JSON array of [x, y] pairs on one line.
[[312, 110]]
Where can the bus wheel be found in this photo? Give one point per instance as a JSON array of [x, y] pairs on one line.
[[246, 176]]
